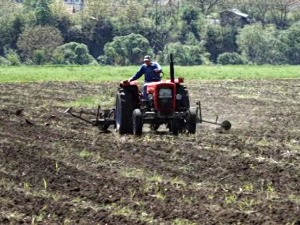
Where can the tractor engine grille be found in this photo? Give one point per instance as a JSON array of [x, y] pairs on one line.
[[165, 98], [166, 103]]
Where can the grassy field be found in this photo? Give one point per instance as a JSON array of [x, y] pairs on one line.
[[111, 73]]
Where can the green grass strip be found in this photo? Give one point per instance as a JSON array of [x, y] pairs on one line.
[[117, 73]]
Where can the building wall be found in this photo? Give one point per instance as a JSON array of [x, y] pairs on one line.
[[74, 5]]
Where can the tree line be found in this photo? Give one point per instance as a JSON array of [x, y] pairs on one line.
[[121, 32]]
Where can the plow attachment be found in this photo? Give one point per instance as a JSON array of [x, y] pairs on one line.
[[226, 125], [104, 118]]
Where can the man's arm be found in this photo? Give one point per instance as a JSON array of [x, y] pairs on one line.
[[158, 68], [138, 74]]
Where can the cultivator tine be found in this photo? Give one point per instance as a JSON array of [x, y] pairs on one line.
[[69, 110], [200, 112], [98, 113]]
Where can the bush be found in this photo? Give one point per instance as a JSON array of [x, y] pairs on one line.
[[13, 57], [185, 54], [4, 61], [103, 59], [127, 50], [73, 53], [231, 58], [39, 57], [261, 45]]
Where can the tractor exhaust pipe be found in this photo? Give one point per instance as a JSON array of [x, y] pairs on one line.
[[172, 76]]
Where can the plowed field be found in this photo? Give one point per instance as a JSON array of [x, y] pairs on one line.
[[55, 169]]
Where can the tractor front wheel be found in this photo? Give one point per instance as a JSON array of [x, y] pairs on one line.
[[174, 127], [137, 122]]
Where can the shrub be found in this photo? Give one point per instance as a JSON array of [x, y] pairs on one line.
[[261, 45], [13, 57], [39, 57], [4, 61], [231, 58], [73, 53], [185, 54], [126, 50]]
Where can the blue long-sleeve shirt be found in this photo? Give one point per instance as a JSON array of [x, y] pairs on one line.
[[152, 72]]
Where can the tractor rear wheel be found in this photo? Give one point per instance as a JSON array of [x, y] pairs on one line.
[[185, 101], [191, 120], [137, 122], [123, 113]]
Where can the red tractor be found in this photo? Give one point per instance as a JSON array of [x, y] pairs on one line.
[[167, 103]]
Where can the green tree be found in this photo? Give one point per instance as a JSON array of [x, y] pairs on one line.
[[126, 50], [98, 33], [218, 39], [72, 53], [103, 8], [64, 24], [11, 25], [185, 54], [291, 46], [206, 6], [41, 11], [261, 45], [189, 23], [44, 38]]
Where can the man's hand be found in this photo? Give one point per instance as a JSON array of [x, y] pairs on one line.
[[157, 71], [125, 82]]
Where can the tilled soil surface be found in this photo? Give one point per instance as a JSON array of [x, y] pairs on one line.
[[56, 169]]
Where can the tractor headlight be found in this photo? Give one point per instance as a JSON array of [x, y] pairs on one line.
[[179, 97], [165, 93], [150, 97]]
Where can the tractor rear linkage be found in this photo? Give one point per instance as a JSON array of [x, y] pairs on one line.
[[105, 118]]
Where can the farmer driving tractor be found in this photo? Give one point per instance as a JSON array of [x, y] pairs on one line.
[[166, 103], [151, 70]]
